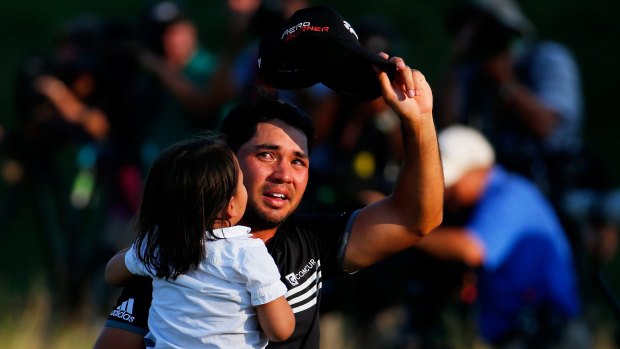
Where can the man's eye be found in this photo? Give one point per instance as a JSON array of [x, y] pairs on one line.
[[298, 162], [265, 156]]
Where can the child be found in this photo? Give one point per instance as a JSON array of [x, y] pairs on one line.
[[213, 284]]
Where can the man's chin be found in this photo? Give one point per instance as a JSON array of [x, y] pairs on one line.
[[260, 220]]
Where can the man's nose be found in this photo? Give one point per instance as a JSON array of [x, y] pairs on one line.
[[282, 172]]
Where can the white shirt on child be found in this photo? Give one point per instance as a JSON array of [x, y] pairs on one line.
[[214, 305]]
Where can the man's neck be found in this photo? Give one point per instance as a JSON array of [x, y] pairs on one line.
[[265, 234]]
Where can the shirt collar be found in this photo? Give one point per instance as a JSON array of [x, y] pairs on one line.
[[232, 232]]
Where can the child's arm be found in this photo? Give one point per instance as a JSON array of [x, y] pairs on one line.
[[116, 272], [276, 319]]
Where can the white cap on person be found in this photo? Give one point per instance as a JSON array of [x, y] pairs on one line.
[[463, 149]]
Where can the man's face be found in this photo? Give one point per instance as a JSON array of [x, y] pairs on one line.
[[275, 167], [466, 192]]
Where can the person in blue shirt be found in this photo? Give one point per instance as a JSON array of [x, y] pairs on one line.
[[526, 280]]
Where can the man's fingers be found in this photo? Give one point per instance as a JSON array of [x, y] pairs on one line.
[[420, 81], [408, 81], [384, 81], [417, 75], [411, 81], [404, 77]]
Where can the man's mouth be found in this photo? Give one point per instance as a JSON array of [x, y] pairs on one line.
[[275, 199], [277, 196]]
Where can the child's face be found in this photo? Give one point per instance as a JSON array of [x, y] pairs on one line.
[[239, 200]]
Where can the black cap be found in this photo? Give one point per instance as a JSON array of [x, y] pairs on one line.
[[317, 45]]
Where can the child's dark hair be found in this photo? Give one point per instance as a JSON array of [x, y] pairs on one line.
[[188, 186]]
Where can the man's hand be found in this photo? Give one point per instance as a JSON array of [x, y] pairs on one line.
[[408, 93]]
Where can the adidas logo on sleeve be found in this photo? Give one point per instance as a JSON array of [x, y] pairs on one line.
[[124, 311]]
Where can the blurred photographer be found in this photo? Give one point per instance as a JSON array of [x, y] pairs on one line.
[[523, 94], [69, 157]]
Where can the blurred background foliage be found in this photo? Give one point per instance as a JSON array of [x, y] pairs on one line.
[[590, 29]]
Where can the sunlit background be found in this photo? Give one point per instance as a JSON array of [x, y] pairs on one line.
[[37, 306]]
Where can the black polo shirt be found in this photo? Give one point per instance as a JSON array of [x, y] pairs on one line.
[[306, 248]]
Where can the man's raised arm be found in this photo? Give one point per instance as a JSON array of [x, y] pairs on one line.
[[415, 208]]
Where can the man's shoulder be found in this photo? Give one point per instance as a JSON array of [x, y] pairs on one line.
[[312, 234], [551, 46], [552, 52]]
